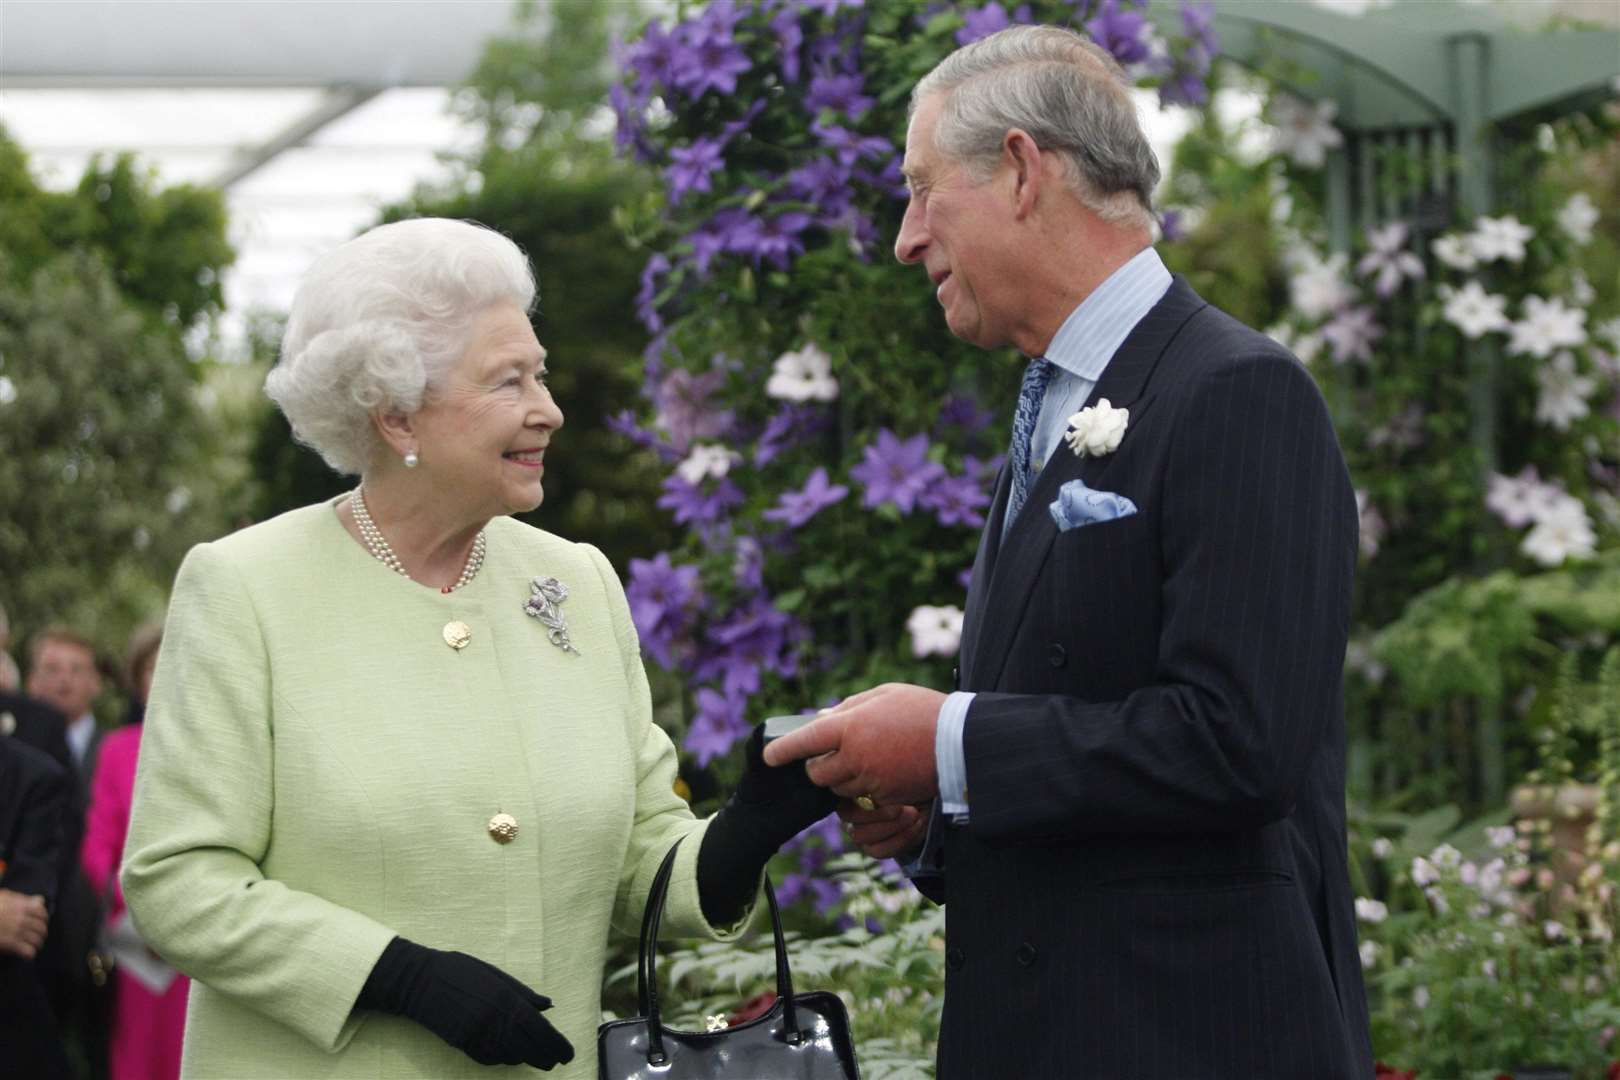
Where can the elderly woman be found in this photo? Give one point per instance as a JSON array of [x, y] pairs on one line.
[[399, 776]]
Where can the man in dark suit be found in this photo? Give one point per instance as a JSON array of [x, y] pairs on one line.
[[1133, 805], [35, 806]]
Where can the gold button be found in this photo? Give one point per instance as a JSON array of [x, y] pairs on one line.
[[503, 828], [457, 634]]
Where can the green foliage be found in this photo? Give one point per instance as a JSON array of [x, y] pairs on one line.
[[1454, 640], [104, 454], [1493, 947], [164, 248]]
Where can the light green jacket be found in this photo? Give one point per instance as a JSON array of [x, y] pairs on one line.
[[317, 775]]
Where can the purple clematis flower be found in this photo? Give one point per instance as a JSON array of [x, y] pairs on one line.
[[1170, 225], [840, 93], [778, 239], [792, 426], [795, 508], [682, 401], [702, 503], [789, 40], [663, 600], [717, 725], [748, 567], [712, 61], [982, 23], [956, 500], [823, 182], [1121, 31], [830, 8], [964, 412], [896, 471], [851, 147], [692, 166], [646, 310], [657, 57], [753, 640]]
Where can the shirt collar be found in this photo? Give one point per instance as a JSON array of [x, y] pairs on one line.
[[1095, 329]]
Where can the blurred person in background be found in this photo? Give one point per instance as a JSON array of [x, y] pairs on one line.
[[148, 1010], [10, 677], [399, 775], [64, 673], [36, 802]]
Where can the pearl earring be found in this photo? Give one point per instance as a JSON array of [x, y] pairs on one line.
[[411, 460]]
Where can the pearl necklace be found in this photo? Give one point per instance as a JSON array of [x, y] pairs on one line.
[[377, 544]]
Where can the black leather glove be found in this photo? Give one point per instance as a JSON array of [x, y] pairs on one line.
[[475, 1007], [771, 806]]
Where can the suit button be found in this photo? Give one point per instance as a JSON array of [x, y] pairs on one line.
[[1025, 954], [1057, 656], [954, 959]]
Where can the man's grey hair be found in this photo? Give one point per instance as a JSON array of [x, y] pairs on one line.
[[1068, 94], [379, 321]]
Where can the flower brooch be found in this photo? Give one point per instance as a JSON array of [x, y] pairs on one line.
[[1097, 429], [545, 596]]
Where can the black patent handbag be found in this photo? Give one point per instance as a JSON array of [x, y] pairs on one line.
[[801, 1037]]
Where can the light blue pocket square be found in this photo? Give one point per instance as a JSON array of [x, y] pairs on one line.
[[1078, 505]]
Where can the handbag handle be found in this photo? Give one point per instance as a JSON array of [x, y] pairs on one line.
[[647, 962]]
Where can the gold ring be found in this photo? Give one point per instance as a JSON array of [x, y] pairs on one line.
[[865, 802]]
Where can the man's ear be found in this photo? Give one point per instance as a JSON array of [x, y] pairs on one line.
[[1024, 162]]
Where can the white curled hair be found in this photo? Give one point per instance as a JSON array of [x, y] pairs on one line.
[[378, 322], [1069, 94]]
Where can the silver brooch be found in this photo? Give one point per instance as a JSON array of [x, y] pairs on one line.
[[545, 594]]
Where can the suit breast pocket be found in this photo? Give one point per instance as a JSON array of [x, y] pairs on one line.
[[1105, 582]]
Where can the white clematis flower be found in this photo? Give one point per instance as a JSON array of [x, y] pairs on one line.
[[707, 460], [1304, 129], [1474, 311], [1546, 327], [805, 375], [1499, 238], [1563, 392], [1318, 287], [1577, 217], [1455, 251], [1564, 532], [1388, 258], [935, 630]]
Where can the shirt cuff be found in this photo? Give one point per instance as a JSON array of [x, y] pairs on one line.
[[948, 755]]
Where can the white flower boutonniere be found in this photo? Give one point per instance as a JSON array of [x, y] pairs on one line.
[[1097, 429]]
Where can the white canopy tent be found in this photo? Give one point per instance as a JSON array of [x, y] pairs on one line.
[[309, 114]]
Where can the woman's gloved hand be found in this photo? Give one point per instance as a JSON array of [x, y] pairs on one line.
[[474, 1006], [771, 806]]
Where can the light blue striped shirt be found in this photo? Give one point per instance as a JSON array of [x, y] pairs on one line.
[[1081, 349]]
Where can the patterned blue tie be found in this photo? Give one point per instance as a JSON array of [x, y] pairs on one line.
[[1036, 376]]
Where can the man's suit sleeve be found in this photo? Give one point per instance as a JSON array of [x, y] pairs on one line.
[[35, 864], [1258, 542]]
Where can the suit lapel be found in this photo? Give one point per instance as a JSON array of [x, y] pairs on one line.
[[983, 565], [999, 593]]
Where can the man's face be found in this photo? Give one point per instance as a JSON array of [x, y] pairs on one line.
[[959, 231], [65, 678]]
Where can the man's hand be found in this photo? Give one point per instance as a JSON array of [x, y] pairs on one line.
[[22, 923], [888, 832], [878, 744]]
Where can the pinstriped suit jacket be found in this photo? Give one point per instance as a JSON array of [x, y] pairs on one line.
[[1153, 883]]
